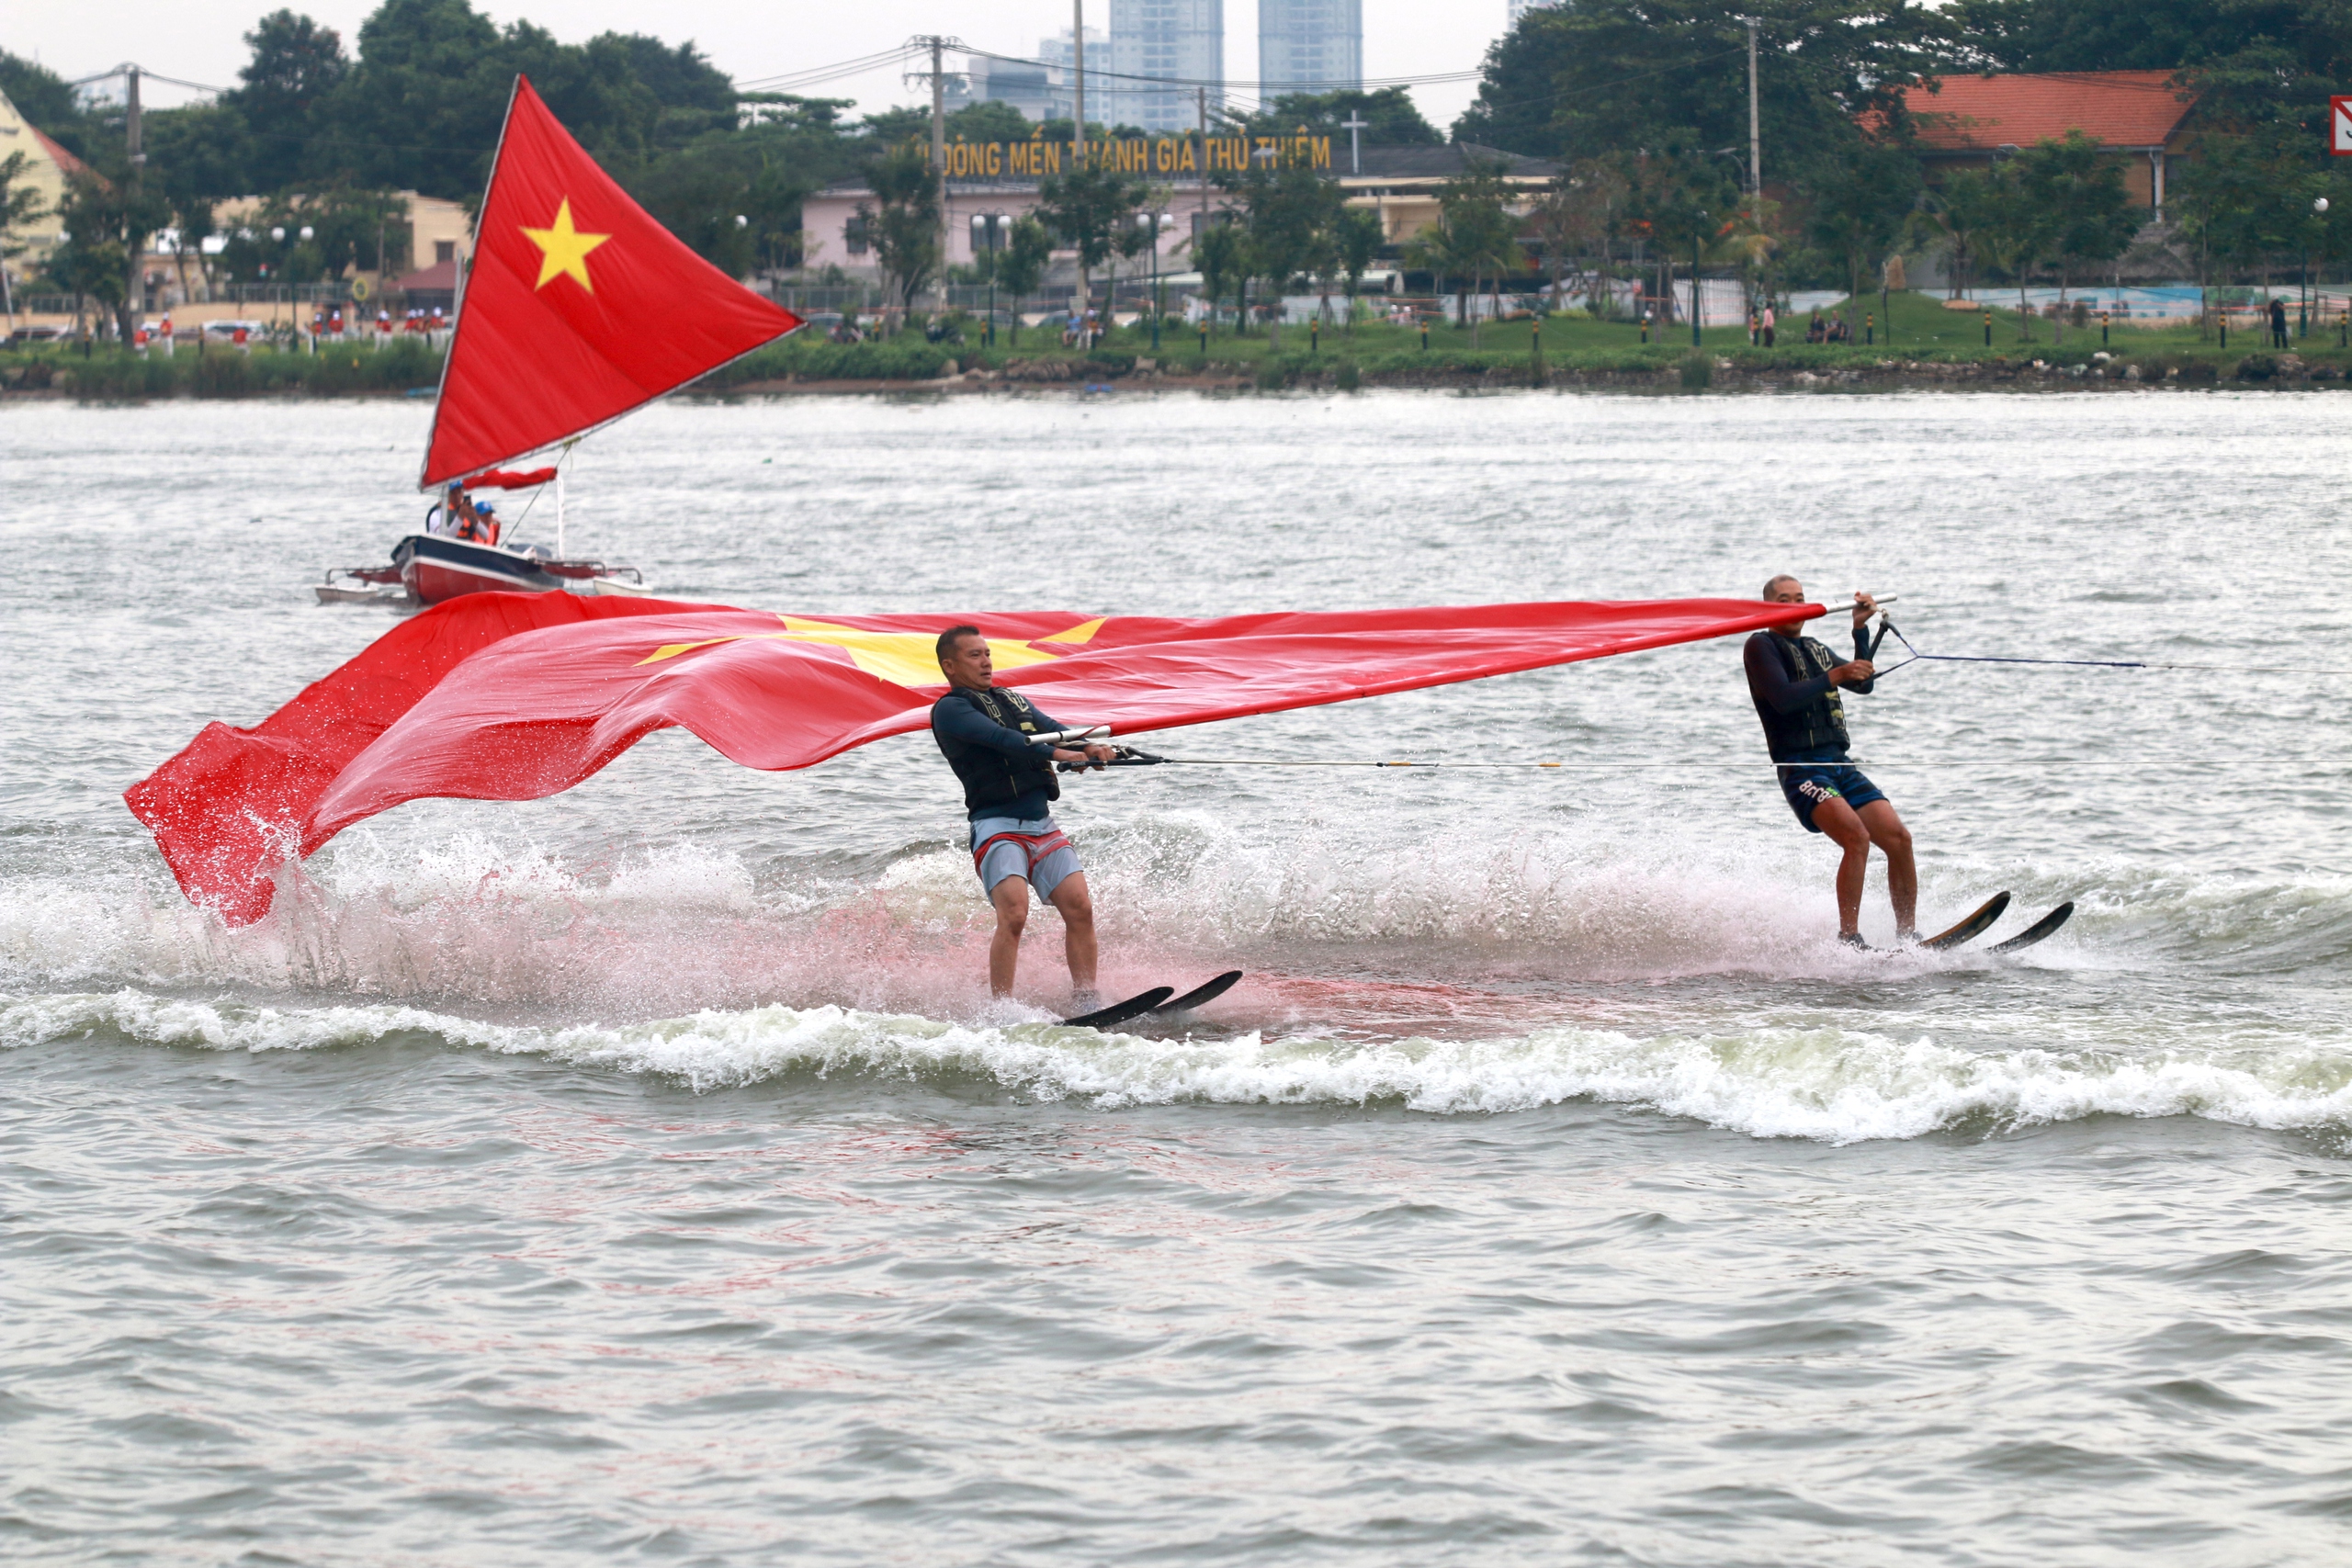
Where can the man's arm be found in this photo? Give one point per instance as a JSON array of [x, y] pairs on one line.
[[1863, 658], [1768, 679], [960, 721]]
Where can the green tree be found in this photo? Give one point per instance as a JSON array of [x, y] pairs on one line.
[[2013, 233], [1958, 211], [1862, 193], [21, 207], [1574, 217], [2080, 186], [422, 107], [1020, 265], [1217, 255], [1087, 206], [296, 64], [903, 228], [2243, 200], [1608, 76], [197, 158], [1475, 234], [1391, 118], [1285, 212], [1680, 198], [92, 263], [1357, 236]]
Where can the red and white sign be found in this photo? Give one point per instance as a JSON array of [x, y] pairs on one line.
[[2339, 127]]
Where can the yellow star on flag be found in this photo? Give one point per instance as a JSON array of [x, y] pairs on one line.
[[564, 250], [904, 659]]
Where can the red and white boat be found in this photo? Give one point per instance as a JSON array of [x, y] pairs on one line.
[[577, 307], [429, 566]]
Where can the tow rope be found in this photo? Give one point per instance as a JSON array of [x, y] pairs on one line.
[[1887, 627], [1129, 757]]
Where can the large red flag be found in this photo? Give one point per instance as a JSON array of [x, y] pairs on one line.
[[513, 697], [577, 306]]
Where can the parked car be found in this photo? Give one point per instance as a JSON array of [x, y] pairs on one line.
[[226, 332], [37, 334]]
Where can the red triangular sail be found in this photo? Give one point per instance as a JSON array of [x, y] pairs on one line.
[[577, 306]]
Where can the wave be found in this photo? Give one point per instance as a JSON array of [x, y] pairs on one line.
[[666, 929], [1833, 1085]]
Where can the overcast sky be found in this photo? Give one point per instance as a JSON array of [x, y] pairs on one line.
[[200, 39]]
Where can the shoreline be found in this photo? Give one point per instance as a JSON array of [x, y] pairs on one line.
[[1891, 378]]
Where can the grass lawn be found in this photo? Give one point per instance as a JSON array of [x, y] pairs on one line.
[[1919, 329]]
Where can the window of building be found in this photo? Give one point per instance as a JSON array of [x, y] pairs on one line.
[[443, 250]]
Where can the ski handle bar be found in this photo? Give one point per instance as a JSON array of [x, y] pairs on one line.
[[1100, 735]]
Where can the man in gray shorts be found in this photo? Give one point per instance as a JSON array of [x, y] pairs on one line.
[[985, 733]]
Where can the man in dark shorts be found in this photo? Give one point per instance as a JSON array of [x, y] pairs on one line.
[[985, 733], [1795, 682]]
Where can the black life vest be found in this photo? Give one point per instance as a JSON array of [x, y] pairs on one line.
[[1821, 723], [991, 778]]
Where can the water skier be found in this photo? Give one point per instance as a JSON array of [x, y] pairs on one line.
[[985, 733], [1794, 680]]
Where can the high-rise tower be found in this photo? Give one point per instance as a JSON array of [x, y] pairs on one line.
[[1179, 41], [1309, 46]]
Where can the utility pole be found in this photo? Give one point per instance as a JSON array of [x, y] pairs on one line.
[[136, 146], [939, 157], [1078, 78], [1754, 134], [1077, 136], [1204, 94]]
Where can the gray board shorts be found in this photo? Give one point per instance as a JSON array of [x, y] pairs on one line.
[[1034, 850]]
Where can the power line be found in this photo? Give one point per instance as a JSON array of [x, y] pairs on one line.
[[1365, 84]]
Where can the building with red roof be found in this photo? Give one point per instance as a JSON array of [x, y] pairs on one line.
[[1965, 121]]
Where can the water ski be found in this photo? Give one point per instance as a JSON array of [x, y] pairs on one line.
[[1119, 1012], [1971, 928], [1201, 995], [2041, 928]]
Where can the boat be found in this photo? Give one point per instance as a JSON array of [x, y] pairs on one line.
[[576, 308], [427, 568]]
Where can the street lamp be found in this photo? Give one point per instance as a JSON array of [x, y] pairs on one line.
[[1155, 222], [987, 238], [2303, 301], [1697, 228]]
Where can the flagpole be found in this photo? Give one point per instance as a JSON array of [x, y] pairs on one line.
[[939, 158], [458, 301]]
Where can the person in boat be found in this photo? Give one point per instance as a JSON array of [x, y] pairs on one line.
[[1795, 682], [986, 735], [458, 517]]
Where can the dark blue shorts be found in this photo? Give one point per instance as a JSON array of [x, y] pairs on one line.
[[1807, 783]]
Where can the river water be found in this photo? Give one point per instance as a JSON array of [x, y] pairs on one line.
[[642, 1174]]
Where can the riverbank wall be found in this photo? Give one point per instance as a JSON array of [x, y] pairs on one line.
[[824, 370]]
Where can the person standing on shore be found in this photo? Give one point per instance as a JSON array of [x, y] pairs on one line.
[[1768, 323], [988, 735], [1794, 683]]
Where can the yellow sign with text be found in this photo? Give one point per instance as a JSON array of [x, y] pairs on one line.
[[1144, 155]]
